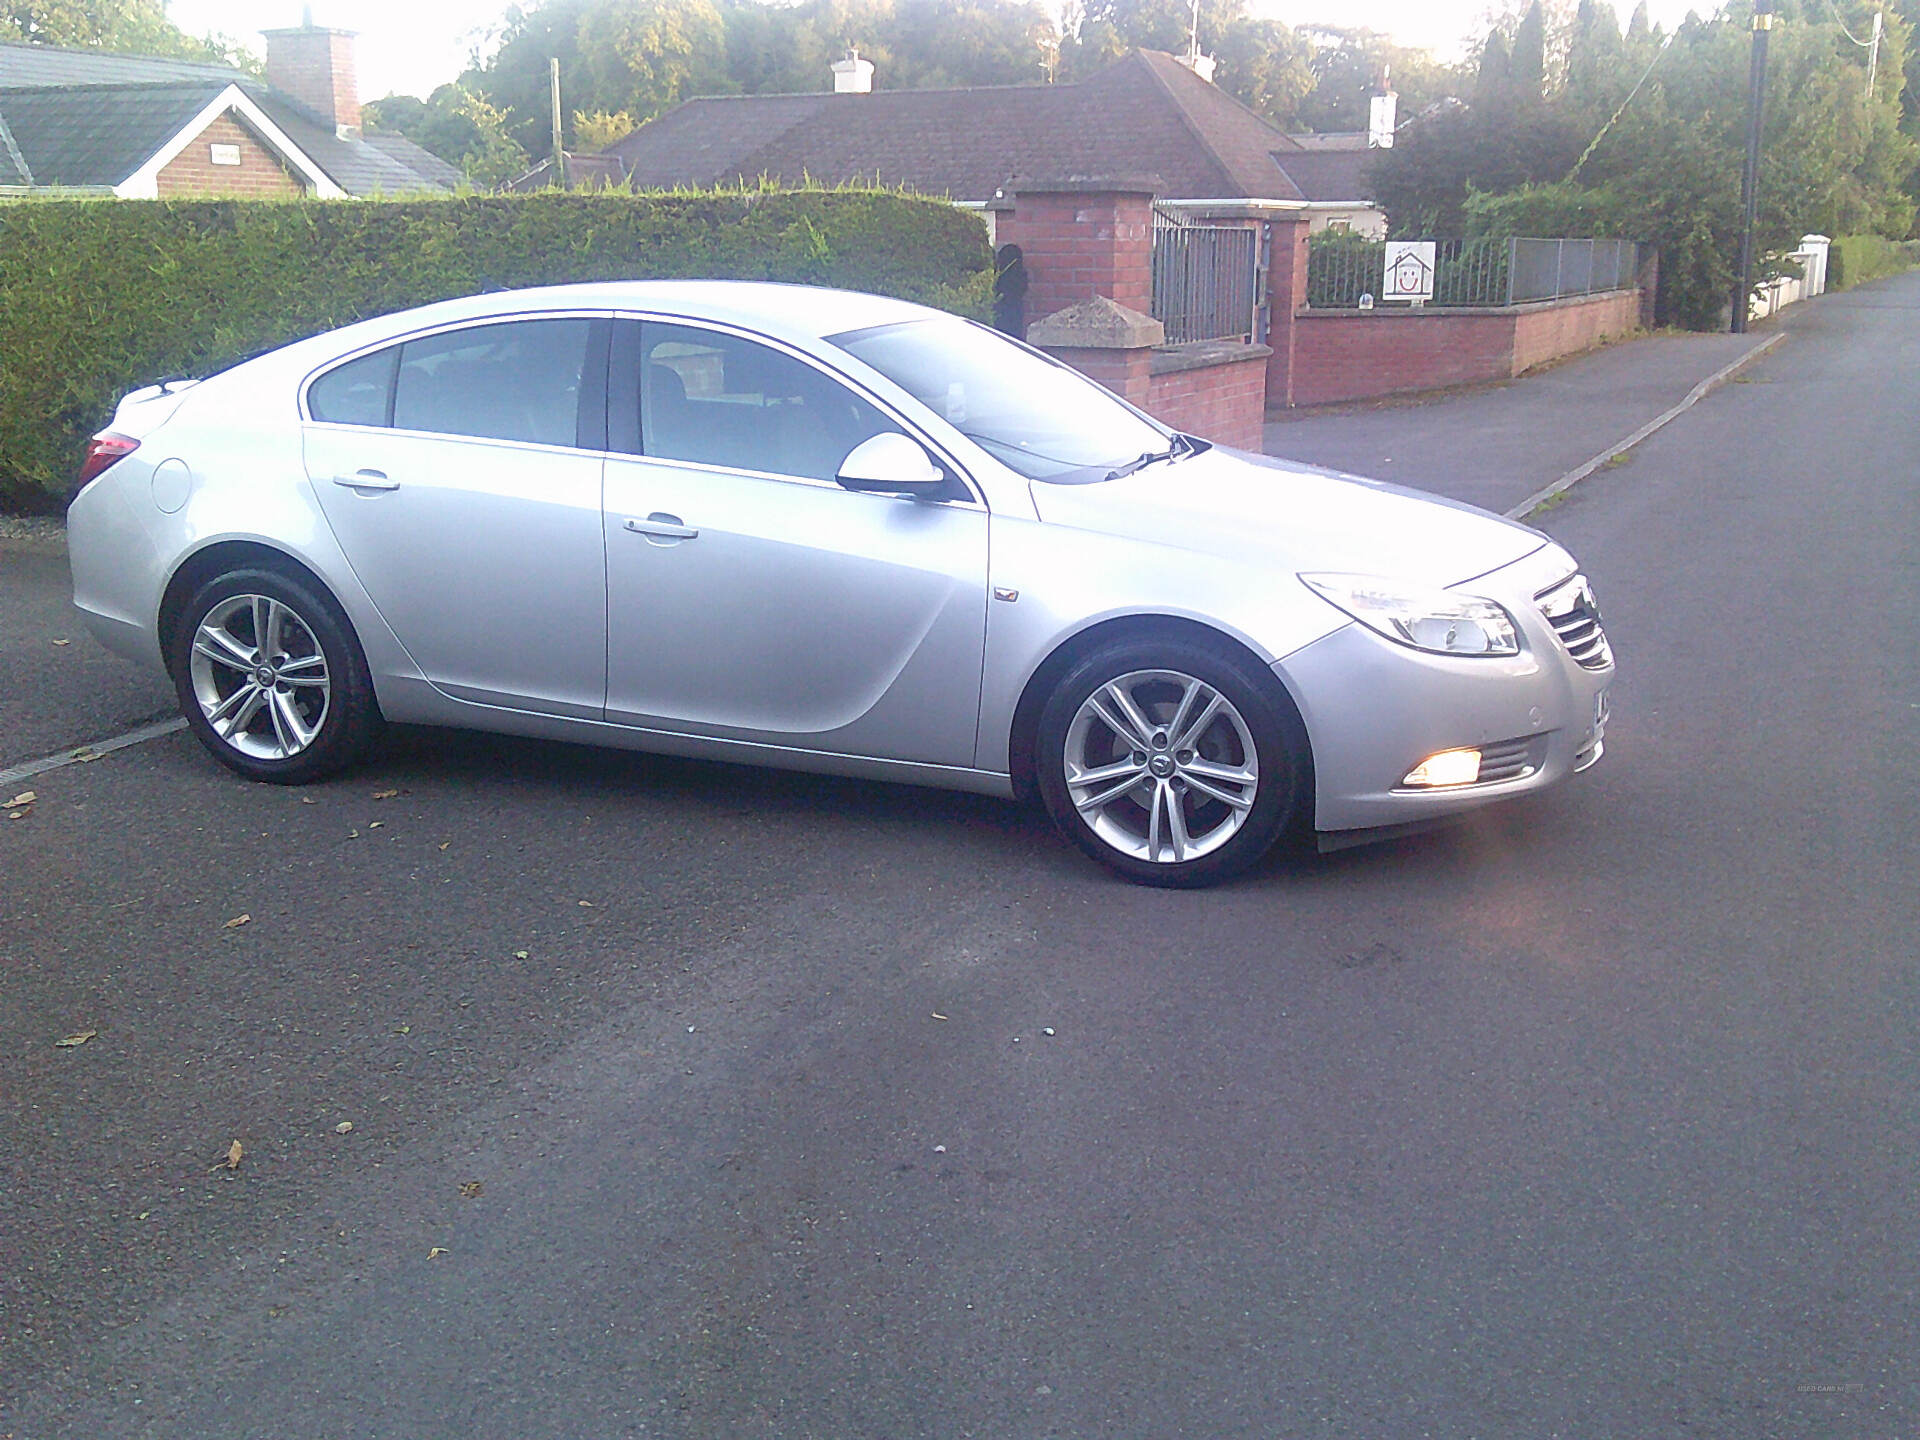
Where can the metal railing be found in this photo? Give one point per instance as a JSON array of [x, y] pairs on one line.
[[1550, 269], [1343, 268], [1204, 281]]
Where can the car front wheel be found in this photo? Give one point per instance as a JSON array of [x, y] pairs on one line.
[[271, 678], [1169, 762]]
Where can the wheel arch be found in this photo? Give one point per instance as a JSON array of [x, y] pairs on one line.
[[217, 559], [1033, 697]]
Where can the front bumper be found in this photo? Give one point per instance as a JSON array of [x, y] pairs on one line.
[[1375, 709]]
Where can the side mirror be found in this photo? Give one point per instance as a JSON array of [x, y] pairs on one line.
[[891, 464]]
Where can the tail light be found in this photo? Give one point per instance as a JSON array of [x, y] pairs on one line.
[[102, 451]]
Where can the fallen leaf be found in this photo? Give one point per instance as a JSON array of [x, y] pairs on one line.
[[84, 755], [143, 1214], [63, 642], [472, 1190], [520, 954], [74, 1041], [435, 1253], [385, 794], [376, 825], [404, 1030], [16, 814], [937, 1015], [306, 800], [237, 922], [232, 1160], [585, 904], [345, 1127], [447, 843], [25, 797]]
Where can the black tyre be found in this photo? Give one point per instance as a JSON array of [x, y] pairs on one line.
[[271, 678], [1170, 761]]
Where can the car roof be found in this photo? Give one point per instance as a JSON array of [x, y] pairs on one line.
[[792, 312], [797, 314]]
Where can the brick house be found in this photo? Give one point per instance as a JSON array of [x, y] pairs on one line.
[[1147, 113], [85, 122]]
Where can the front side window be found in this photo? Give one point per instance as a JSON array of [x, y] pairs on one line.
[[1040, 419], [716, 399]]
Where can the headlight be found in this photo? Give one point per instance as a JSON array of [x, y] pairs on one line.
[[1435, 620]]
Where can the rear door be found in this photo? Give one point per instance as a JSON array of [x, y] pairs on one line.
[[461, 473]]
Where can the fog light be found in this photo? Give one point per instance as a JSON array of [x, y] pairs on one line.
[[1449, 767]]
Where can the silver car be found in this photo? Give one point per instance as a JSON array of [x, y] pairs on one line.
[[832, 532]]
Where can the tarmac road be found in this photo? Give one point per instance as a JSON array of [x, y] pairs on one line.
[[1593, 1116]]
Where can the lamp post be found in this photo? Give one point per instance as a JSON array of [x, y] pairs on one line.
[[1763, 18]]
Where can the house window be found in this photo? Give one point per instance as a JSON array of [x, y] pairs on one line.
[[226, 154]]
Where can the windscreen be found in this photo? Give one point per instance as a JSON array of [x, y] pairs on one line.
[[1038, 418]]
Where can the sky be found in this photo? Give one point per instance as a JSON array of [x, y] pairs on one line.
[[410, 46]]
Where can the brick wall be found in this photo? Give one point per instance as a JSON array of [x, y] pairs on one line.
[[258, 176], [1547, 332], [1224, 400], [1125, 372], [1359, 355]]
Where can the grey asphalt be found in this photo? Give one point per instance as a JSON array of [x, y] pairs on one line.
[[843, 1111], [57, 687], [1495, 445]]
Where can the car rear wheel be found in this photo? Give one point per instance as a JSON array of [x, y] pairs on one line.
[[1169, 762], [271, 678]]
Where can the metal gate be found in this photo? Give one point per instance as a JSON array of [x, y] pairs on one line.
[[1204, 281]]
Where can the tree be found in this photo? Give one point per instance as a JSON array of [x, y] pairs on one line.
[[1347, 67], [1667, 172], [135, 27], [1494, 82], [1530, 54], [458, 126], [594, 133]]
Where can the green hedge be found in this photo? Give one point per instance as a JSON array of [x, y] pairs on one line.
[[98, 297], [1856, 259]]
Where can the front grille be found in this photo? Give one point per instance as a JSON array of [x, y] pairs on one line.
[[1570, 609], [1509, 760]]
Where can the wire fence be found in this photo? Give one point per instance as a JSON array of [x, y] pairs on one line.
[[1204, 281], [1347, 271]]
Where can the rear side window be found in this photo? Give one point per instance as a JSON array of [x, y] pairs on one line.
[[356, 393], [515, 381], [518, 381]]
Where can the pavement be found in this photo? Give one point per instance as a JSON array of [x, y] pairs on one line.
[[587, 1094], [1494, 445]]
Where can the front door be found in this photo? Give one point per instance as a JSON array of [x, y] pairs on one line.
[[749, 596]]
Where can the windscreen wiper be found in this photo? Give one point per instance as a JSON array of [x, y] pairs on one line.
[[1180, 447]]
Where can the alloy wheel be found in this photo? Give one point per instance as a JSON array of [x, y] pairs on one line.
[[260, 677], [1161, 766]]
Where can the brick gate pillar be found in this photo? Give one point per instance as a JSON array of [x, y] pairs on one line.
[[1286, 297], [1081, 237]]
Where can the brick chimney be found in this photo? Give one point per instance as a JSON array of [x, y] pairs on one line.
[[314, 66]]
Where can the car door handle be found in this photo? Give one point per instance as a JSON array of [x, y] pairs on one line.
[[663, 526], [367, 480]]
